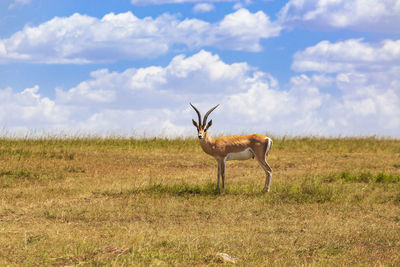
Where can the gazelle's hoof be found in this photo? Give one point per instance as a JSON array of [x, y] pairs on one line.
[[219, 191], [265, 190]]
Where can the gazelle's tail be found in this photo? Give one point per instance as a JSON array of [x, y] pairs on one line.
[[269, 145]]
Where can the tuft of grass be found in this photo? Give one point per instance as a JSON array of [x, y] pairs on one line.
[[181, 189], [363, 177], [309, 191], [387, 178], [9, 177]]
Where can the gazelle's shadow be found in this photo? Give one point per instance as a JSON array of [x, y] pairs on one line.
[[208, 189]]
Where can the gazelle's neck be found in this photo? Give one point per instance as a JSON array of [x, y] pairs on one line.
[[206, 143]]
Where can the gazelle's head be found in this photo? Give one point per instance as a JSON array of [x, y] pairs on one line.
[[202, 127]]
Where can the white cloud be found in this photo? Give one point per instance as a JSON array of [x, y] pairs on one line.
[[242, 4], [17, 3], [155, 101], [202, 74], [346, 56], [160, 2], [242, 30], [203, 8], [368, 77], [370, 15], [371, 111], [238, 3], [27, 110], [159, 97], [83, 39]]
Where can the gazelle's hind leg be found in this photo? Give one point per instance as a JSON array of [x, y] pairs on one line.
[[261, 158], [268, 174]]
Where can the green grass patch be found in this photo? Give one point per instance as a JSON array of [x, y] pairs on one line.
[[20, 176], [181, 189], [308, 191], [9, 177], [363, 177], [343, 145]]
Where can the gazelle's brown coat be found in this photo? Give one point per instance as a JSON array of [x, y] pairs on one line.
[[234, 147]]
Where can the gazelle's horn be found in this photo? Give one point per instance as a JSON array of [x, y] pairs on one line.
[[198, 113], [208, 113]]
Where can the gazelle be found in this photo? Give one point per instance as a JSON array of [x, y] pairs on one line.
[[233, 148]]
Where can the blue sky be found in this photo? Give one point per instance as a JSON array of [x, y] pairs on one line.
[[297, 67]]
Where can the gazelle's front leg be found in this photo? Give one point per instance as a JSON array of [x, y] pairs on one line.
[[223, 175], [219, 173]]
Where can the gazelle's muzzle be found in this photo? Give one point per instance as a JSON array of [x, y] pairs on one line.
[[200, 136]]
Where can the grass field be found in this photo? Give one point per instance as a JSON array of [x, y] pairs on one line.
[[93, 201]]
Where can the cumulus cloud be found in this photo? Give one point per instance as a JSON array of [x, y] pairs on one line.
[[238, 3], [367, 75], [17, 3], [203, 8], [23, 111], [83, 39], [265, 107], [160, 2], [155, 100], [371, 15], [348, 55]]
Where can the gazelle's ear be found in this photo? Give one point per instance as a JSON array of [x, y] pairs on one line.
[[195, 123], [208, 125]]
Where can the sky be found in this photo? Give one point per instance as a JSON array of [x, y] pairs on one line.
[[131, 67]]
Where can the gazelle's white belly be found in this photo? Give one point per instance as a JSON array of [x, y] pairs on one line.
[[243, 155]]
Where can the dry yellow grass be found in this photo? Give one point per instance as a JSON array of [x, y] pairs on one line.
[[152, 202]]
